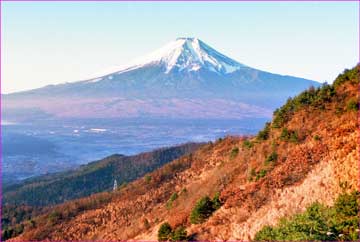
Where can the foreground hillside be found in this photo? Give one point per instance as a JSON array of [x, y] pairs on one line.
[[235, 187]]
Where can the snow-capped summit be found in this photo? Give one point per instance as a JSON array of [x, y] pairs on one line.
[[187, 54], [186, 78]]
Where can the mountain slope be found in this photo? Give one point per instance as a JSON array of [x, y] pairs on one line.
[[91, 178], [307, 153], [180, 79]]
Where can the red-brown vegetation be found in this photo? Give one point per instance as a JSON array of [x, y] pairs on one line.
[[255, 190]]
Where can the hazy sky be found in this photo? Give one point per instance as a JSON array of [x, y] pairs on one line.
[[53, 42]]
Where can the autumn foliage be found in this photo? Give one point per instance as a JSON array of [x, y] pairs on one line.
[[306, 152]]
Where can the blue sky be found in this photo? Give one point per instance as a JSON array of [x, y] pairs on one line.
[[53, 42]]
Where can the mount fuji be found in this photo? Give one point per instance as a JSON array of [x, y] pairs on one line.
[[184, 79]]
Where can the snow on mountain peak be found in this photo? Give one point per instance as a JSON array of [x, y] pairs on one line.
[[187, 54]]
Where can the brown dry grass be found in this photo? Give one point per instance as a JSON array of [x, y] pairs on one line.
[[304, 172]]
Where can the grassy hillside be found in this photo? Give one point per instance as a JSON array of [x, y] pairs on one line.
[[231, 189]]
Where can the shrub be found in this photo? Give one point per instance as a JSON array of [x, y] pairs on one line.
[[348, 76], [284, 134], [318, 222], [266, 233], [264, 134], [7, 234], [54, 217], [146, 224], [307, 226], [261, 174], [317, 137], [216, 201], [248, 144], [204, 208], [147, 179], [179, 234], [314, 97], [172, 198], [346, 220], [283, 114], [294, 137], [234, 152], [352, 105], [272, 158], [184, 190], [347, 204], [324, 94], [31, 223], [164, 232], [289, 135], [252, 173]]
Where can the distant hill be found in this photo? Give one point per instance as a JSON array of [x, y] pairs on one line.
[[94, 177], [305, 162], [185, 78]]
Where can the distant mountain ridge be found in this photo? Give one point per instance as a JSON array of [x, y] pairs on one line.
[[184, 78], [97, 176]]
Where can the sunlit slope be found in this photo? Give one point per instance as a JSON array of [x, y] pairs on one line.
[[307, 153]]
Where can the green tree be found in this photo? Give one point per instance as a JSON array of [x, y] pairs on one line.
[[165, 232], [216, 201], [54, 217], [7, 234], [289, 135], [317, 137], [284, 134], [172, 198], [180, 234], [147, 179], [319, 223], [264, 134], [202, 210], [272, 158], [352, 105], [346, 210], [260, 174], [266, 233], [247, 144], [234, 152]]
